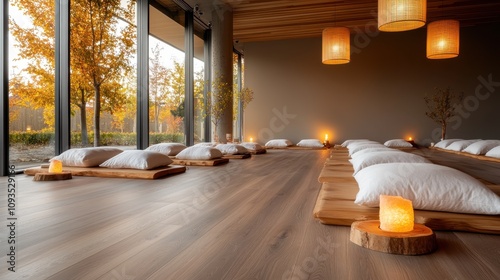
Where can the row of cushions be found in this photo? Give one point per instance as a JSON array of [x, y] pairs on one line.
[[283, 143], [154, 156], [381, 170], [490, 148], [393, 143]]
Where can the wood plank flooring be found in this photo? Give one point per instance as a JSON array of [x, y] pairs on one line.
[[248, 219]]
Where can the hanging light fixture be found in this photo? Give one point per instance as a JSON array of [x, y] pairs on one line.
[[336, 45], [443, 39], [401, 15]]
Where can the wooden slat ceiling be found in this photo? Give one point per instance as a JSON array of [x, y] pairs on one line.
[[263, 20]]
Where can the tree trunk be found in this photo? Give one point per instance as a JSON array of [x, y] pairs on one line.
[[443, 131], [97, 116], [83, 119]]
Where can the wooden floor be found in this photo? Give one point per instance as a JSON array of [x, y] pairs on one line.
[[248, 219]]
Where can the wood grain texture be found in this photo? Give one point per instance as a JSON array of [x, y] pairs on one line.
[[249, 219]]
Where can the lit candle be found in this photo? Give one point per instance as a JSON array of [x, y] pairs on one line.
[[326, 137], [251, 140], [410, 139], [55, 166], [396, 214]]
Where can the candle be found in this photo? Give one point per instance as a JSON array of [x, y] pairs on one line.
[[55, 166], [251, 140], [396, 214], [326, 137]]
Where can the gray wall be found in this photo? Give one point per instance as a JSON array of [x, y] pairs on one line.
[[378, 95]]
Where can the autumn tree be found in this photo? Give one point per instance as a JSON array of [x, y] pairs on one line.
[[441, 107], [102, 41], [218, 100]]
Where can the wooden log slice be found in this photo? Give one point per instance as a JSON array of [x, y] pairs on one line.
[[42, 176], [421, 240]]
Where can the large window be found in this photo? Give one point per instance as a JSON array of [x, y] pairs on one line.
[[31, 82], [200, 126], [103, 75]]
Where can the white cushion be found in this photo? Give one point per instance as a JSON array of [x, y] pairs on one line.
[[87, 157], [199, 153], [137, 159], [278, 143], [374, 150], [495, 152], [460, 145], [252, 146], [398, 143], [350, 141], [206, 144], [369, 159], [481, 147], [232, 149], [428, 186], [310, 143], [353, 148], [169, 149], [445, 143]]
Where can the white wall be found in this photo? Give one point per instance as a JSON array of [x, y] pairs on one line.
[[378, 95]]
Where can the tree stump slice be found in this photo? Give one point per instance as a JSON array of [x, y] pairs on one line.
[[421, 240], [52, 176]]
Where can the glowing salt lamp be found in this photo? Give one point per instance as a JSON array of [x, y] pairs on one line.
[[55, 166], [396, 214]]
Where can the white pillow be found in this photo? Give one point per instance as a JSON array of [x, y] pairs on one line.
[[374, 150], [278, 143], [87, 157], [358, 147], [199, 153], [481, 147], [232, 149], [252, 146], [310, 143], [445, 143], [206, 144], [428, 186], [137, 159], [369, 159], [350, 141], [398, 143], [460, 145], [495, 152], [169, 149]]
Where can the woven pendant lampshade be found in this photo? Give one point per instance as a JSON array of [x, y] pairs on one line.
[[336, 45], [401, 15], [443, 39]]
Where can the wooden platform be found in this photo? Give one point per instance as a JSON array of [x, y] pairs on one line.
[[193, 162], [244, 156], [481, 157], [335, 206], [114, 172]]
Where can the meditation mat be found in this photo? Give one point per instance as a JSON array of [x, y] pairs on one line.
[[196, 162], [114, 172]]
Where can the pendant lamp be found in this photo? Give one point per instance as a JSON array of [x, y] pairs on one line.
[[401, 15], [443, 39], [336, 45]]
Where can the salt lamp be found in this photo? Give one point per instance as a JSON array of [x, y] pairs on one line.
[[55, 166], [396, 214]]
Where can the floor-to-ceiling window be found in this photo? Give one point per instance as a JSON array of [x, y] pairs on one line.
[[200, 126], [166, 74], [103, 75], [31, 82]]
